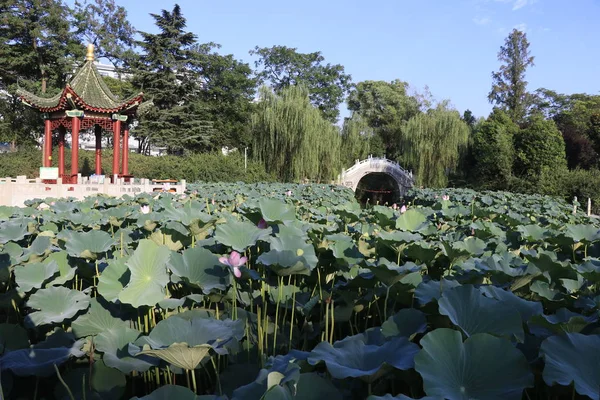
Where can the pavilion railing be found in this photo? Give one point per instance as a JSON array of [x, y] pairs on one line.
[[15, 191]]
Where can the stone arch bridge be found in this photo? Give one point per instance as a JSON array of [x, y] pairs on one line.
[[352, 176]]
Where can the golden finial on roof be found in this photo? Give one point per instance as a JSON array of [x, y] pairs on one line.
[[90, 53]]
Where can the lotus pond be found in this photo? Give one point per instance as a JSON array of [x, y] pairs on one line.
[[280, 291]]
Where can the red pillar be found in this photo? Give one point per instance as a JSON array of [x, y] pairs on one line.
[[116, 145], [61, 152], [98, 150], [75, 148], [47, 162], [125, 168]]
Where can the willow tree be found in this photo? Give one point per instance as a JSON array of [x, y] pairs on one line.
[[292, 139], [433, 143], [356, 140]]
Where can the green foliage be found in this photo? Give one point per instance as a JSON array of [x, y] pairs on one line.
[[384, 107], [104, 24], [166, 71], [282, 66], [210, 167], [292, 139], [493, 152], [439, 300], [433, 144], [509, 90], [539, 152], [356, 140]]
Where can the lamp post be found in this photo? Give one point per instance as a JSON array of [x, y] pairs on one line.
[[245, 158]]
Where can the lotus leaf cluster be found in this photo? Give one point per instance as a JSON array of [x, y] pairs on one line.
[[289, 291]]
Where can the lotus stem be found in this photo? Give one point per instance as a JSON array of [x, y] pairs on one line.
[[293, 312], [82, 387], [279, 296], [332, 321], [62, 381], [217, 375]]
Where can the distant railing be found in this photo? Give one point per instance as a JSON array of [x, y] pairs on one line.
[[376, 161], [15, 191]]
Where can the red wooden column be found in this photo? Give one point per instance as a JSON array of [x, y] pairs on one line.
[[98, 150], [116, 145], [47, 162], [75, 148], [125, 168], [61, 152]]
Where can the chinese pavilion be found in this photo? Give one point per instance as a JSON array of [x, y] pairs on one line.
[[85, 102]]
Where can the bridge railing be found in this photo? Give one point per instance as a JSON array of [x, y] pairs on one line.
[[376, 161]]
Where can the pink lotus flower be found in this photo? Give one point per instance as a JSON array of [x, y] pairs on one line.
[[262, 224], [288, 193], [213, 202], [445, 197], [403, 210], [145, 209], [394, 206], [234, 261]]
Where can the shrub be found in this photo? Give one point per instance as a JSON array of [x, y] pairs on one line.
[[208, 167]]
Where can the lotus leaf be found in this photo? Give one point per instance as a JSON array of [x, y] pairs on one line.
[[526, 309], [273, 210], [405, 323], [87, 245], [55, 304], [114, 343], [573, 357], [173, 392], [411, 220], [149, 276], [180, 354], [240, 235], [12, 231], [356, 357], [32, 276], [97, 320], [483, 367], [66, 272], [201, 268], [40, 359], [290, 254], [194, 332], [281, 378], [431, 290], [474, 313], [113, 279]]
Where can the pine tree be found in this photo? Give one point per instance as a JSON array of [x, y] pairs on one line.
[[167, 72], [509, 88]]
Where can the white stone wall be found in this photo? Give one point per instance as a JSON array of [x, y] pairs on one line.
[[14, 192], [352, 176]]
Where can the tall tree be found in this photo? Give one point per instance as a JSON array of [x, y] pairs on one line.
[[433, 143], [509, 88], [104, 24], [228, 89], [356, 140], [167, 71], [384, 107], [281, 66], [292, 139], [38, 52], [493, 152], [539, 153]]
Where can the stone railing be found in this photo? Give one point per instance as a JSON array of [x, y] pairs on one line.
[[15, 191]]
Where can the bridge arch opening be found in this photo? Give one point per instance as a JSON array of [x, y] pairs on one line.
[[378, 188]]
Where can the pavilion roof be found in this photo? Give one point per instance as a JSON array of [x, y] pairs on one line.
[[86, 90]]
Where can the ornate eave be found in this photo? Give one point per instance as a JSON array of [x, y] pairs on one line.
[[86, 91]]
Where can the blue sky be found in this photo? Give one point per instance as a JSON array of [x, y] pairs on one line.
[[449, 45]]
